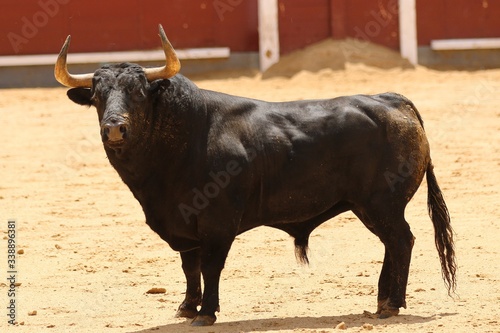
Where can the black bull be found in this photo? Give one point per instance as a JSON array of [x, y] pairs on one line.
[[207, 166]]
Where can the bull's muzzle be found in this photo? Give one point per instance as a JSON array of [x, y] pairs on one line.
[[114, 132]]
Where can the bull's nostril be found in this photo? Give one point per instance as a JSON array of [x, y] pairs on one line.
[[105, 130], [123, 129]]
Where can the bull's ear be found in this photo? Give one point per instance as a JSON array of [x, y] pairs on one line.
[[80, 96]]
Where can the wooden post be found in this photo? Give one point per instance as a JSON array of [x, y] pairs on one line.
[[408, 30], [269, 40]]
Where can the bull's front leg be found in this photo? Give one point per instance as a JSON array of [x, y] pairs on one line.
[[191, 266], [213, 257]]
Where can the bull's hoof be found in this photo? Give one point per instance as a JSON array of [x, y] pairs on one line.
[[385, 310], [186, 313], [204, 320], [387, 313]]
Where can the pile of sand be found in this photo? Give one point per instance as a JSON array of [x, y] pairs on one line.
[[334, 54]]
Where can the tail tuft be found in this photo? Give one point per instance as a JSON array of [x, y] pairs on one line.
[[301, 249]]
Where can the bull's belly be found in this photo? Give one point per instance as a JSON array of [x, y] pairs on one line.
[[289, 200]]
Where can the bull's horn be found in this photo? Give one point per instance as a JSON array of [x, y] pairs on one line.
[[172, 63], [64, 77]]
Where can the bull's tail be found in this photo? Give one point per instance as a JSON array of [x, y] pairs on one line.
[[443, 231]]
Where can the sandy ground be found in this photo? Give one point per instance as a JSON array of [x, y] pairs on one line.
[[89, 258]]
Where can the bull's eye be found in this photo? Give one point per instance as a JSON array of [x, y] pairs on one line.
[[100, 94], [137, 94]]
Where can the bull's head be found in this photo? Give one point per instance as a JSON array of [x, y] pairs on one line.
[[119, 92]]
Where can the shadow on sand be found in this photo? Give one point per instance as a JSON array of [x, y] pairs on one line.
[[290, 323]]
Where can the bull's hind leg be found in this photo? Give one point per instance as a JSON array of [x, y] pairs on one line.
[[394, 232], [384, 284]]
